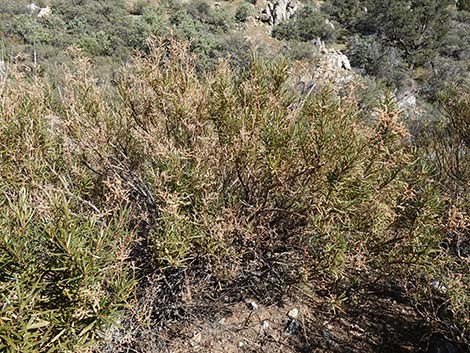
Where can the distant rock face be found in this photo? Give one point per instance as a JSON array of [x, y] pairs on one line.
[[406, 100], [334, 66], [334, 58], [277, 11], [45, 12], [40, 12], [333, 70], [33, 8]]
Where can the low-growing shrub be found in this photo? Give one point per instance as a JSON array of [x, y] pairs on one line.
[[242, 13], [231, 169], [379, 60], [60, 280], [446, 142], [245, 164], [63, 276]]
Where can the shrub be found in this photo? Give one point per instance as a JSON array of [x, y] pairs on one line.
[[376, 59], [14, 7], [138, 8], [223, 168], [61, 278], [307, 24], [346, 12], [242, 13], [301, 51], [279, 170], [415, 27], [97, 44], [463, 5], [217, 21], [445, 73], [452, 142], [447, 147]]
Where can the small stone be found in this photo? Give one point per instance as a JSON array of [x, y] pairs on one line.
[[264, 324], [240, 344], [292, 328], [293, 313], [253, 305], [439, 286]]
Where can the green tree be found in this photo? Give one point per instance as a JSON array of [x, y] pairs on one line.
[[346, 12], [463, 5], [415, 26], [243, 11], [377, 59]]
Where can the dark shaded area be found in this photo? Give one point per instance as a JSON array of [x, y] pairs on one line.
[[382, 322], [377, 319]]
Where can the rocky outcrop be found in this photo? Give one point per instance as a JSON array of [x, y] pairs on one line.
[[33, 8], [277, 11], [334, 67], [334, 59], [333, 70], [40, 12], [45, 12]]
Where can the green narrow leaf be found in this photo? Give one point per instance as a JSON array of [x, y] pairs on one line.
[[40, 323]]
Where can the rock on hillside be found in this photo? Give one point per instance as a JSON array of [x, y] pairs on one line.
[[277, 11], [333, 69], [40, 12]]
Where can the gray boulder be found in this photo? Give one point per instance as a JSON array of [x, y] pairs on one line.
[[278, 11]]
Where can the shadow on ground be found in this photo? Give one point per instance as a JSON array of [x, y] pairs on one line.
[[185, 317]]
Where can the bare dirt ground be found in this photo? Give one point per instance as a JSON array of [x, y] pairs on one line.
[[263, 307], [379, 325], [301, 320]]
